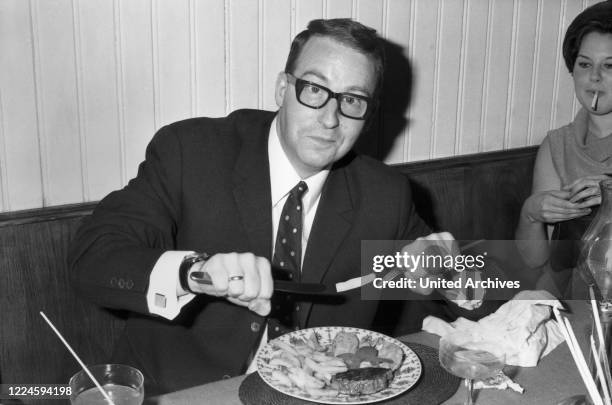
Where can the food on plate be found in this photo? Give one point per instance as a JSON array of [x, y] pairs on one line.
[[366, 380], [345, 342], [345, 365], [393, 353], [366, 356], [313, 341]]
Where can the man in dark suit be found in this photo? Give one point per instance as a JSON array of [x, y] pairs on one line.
[[221, 188]]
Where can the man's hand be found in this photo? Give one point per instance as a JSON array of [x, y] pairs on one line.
[[443, 245], [245, 279], [439, 244]]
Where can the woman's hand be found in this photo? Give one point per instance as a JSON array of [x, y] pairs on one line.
[[586, 190], [554, 206]]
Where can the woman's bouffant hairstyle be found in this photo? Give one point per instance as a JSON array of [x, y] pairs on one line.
[[347, 32], [597, 18]]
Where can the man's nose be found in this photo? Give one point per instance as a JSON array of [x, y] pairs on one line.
[[330, 114]]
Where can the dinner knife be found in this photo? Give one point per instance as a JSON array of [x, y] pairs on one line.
[[203, 277]]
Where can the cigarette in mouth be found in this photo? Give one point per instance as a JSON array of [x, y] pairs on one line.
[[594, 102]]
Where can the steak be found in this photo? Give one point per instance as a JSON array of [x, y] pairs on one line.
[[367, 380]]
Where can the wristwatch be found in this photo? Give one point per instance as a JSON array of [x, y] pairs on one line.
[[186, 264]]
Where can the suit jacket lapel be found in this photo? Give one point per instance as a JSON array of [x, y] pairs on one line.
[[252, 186], [332, 222]]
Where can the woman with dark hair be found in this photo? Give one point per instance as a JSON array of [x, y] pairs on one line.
[[572, 159]]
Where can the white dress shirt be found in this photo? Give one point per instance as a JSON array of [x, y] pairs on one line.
[[283, 178], [162, 298]]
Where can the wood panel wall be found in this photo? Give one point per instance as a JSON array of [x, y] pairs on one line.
[[474, 197], [85, 83], [33, 248]]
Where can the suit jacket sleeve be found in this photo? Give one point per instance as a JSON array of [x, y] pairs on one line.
[[413, 225], [115, 249], [416, 308]]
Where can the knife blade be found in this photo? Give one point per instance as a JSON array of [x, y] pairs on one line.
[[203, 277]]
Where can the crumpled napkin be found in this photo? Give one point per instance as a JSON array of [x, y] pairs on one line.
[[522, 327], [499, 381]]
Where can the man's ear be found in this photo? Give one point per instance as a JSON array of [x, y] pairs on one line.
[[281, 87]]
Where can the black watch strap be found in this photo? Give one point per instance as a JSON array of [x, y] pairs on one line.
[[186, 264]]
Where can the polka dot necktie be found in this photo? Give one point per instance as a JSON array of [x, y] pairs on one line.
[[287, 261]]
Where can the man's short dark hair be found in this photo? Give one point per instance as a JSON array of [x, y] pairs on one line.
[[597, 18], [347, 32]]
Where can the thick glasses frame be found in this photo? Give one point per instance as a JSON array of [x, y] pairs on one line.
[[300, 84]]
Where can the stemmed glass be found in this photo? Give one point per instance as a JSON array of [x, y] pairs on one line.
[[463, 355]]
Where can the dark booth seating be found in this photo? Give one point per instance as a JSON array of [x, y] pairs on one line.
[[476, 196]]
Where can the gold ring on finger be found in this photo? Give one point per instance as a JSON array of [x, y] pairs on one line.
[[235, 278]]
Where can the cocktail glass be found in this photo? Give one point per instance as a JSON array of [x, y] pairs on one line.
[[123, 384], [465, 356]]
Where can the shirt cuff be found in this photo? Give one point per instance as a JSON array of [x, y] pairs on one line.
[[162, 299]]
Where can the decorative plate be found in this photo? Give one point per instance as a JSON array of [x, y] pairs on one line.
[[405, 376]]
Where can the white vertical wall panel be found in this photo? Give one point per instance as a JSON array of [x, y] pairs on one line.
[[85, 84], [306, 10], [446, 92], [244, 45], [473, 74], [172, 60], [424, 40], [371, 13], [521, 73], [209, 43], [99, 102], [339, 9], [135, 76], [4, 202], [276, 40], [563, 95], [395, 117], [57, 101], [548, 56], [497, 62], [20, 172]]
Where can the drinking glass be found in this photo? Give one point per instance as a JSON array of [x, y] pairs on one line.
[[463, 355], [123, 384]]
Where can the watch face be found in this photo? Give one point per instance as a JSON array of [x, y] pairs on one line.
[[196, 257], [192, 257], [186, 264]]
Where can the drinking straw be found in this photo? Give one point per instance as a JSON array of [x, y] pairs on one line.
[[595, 396], [600, 373], [594, 102], [600, 335], [78, 359], [600, 338], [579, 360]]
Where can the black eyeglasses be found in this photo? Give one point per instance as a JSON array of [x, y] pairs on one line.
[[316, 96]]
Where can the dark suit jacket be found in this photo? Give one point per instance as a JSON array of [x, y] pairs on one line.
[[205, 186]]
